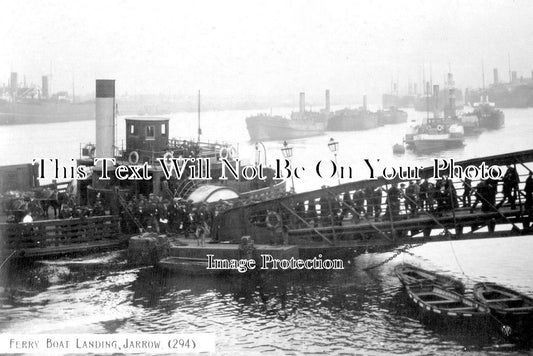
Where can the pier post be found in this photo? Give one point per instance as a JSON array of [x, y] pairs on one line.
[[491, 226], [458, 231]]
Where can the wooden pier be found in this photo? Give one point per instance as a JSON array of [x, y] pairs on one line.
[[59, 236], [321, 221]]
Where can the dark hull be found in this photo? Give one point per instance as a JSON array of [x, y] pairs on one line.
[[265, 128], [446, 306], [352, 120], [430, 144], [391, 117], [492, 121], [45, 112], [507, 95], [512, 309]]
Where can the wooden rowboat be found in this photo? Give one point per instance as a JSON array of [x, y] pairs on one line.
[[447, 304], [503, 300], [412, 275], [512, 309]]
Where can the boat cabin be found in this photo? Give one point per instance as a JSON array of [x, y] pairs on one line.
[[146, 138]]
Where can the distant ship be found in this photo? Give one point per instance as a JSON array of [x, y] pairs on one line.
[[488, 116], [391, 116], [304, 123], [353, 119], [426, 101], [518, 93], [437, 135], [31, 105], [439, 132], [400, 101]]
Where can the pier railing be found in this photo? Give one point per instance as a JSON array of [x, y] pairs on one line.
[[61, 233], [348, 211]]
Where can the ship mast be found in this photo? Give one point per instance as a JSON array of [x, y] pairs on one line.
[[199, 128]]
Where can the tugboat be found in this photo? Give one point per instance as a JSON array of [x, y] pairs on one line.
[[304, 123], [437, 133]]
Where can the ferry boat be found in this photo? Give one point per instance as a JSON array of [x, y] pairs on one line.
[[147, 142]]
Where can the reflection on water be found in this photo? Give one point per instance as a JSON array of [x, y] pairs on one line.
[[315, 312]]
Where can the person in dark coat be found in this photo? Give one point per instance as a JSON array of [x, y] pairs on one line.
[[393, 201], [528, 190], [510, 187], [467, 192], [312, 216]]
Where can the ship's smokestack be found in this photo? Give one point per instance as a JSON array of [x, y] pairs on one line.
[[44, 89], [105, 118], [415, 88], [428, 88], [496, 79], [302, 103], [13, 83], [450, 79], [513, 76], [452, 102], [435, 97], [327, 100], [364, 102]]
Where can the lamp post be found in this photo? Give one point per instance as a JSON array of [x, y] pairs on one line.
[[333, 147], [258, 153], [287, 153]]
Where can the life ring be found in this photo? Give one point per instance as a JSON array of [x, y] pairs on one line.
[[90, 149], [232, 152], [273, 220], [133, 157], [440, 128], [168, 156], [223, 153]]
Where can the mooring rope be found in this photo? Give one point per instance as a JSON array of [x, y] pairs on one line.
[[7, 259]]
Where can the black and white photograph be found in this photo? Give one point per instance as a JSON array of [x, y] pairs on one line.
[[281, 177]]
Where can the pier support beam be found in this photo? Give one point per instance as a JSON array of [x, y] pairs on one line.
[[459, 231], [491, 226]]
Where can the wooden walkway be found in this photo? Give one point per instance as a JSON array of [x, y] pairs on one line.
[[59, 236]]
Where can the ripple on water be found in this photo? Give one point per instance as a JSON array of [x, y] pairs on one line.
[[341, 312]]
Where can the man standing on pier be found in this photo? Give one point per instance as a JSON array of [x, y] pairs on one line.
[[510, 187]]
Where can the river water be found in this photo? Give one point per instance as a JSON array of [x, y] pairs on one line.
[[351, 311]]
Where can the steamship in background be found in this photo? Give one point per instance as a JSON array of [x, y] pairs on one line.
[[426, 101], [304, 123], [422, 101], [518, 93], [29, 104], [353, 119]]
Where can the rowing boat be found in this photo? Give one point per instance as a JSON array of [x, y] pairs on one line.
[[412, 275]]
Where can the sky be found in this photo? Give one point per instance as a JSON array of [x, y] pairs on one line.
[[272, 48]]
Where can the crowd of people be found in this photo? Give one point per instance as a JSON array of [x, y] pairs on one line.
[[174, 216], [414, 198]]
